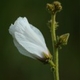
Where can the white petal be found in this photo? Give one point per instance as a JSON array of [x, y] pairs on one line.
[[21, 49], [37, 31], [12, 30], [20, 25], [30, 47]]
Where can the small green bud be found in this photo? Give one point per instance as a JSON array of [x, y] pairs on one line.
[[63, 39]]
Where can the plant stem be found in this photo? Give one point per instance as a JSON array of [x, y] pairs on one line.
[[55, 49]]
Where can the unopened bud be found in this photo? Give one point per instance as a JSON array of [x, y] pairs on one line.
[[54, 7], [63, 39]]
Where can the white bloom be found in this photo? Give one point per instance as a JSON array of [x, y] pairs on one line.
[[28, 39]]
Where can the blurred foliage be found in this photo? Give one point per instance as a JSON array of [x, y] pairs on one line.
[[14, 66]]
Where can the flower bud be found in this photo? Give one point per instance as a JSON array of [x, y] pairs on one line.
[[63, 39], [54, 7], [29, 40]]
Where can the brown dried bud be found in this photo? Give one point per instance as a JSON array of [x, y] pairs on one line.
[[54, 7], [57, 5]]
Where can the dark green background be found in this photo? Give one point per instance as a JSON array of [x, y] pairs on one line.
[[13, 65]]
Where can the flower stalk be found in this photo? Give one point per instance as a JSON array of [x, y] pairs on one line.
[[55, 49], [53, 9]]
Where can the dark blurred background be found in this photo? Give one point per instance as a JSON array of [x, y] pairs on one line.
[[13, 65]]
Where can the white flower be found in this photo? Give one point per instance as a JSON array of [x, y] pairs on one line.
[[29, 40]]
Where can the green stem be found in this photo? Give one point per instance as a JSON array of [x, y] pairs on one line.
[[55, 49], [51, 64]]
